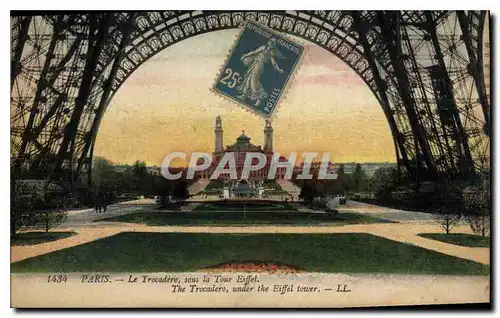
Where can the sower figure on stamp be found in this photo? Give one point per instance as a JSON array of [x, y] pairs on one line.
[[256, 60]]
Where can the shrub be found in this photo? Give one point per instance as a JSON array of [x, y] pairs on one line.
[[478, 212], [30, 208], [447, 206]]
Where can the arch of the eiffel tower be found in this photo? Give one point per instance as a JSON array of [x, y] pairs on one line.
[[425, 68]]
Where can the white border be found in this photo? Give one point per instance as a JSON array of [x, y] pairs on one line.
[[492, 5], [253, 5]]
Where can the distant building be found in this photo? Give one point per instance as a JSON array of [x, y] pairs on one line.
[[241, 148], [315, 168], [368, 167]]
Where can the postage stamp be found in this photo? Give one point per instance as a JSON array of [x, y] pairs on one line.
[[258, 69]]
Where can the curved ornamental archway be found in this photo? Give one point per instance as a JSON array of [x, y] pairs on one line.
[[425, 72]]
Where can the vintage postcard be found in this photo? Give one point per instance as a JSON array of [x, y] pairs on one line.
[[250, 159]]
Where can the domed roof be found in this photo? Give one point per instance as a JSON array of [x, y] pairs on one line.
[[243, 137], [243, 144]]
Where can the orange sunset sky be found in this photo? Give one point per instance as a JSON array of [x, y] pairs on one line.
[[166, 105]]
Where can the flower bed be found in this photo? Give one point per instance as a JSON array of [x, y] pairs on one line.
[[254, 267]]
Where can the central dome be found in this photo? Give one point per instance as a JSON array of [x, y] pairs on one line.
[[243, 137]]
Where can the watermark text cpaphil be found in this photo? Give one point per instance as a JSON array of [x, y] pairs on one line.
[[232, 165]]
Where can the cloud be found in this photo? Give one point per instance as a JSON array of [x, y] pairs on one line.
[[320, 67], [322, 79]]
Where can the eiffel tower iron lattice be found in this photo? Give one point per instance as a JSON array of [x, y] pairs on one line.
[[425, 68]]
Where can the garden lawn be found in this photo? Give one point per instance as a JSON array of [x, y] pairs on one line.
[[225, 218], [187, 252], [33, 238], [250, 206], [461, 239]]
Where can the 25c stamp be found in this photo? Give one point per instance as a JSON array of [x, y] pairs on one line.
[[258, 69]]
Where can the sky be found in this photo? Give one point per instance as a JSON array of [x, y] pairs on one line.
[[166, 105]]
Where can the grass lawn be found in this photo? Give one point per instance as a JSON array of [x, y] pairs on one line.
[[459, 239], [248, 206], [33, 238], [170, 206], [179, 252], [237, 218]]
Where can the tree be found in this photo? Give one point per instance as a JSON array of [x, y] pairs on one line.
[[308, 191], [180, 191], [141, 180], [333, 187], [447, 206], [125, 181], [103, 173], [50, 217], [384, 177], [104, 177], [25, 201], [139, 168], [478, 211], [321, 188], [163, 190], [341, 180], [32, 206], [359, 178], [105, 181], [384, 181]]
